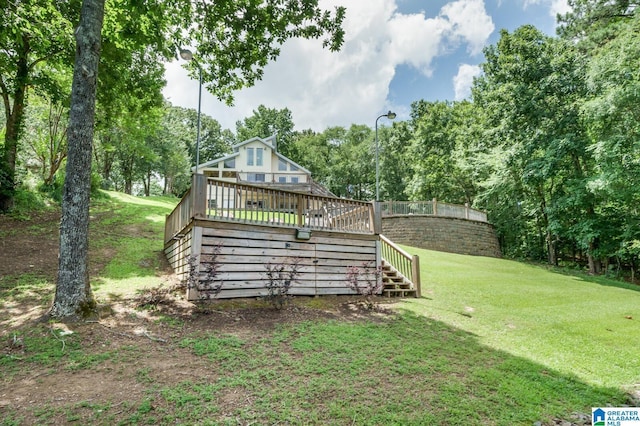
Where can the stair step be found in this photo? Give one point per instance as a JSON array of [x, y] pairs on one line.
[[398, 287], [398, 292]]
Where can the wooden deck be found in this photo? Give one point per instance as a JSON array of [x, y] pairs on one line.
[[222, 237]]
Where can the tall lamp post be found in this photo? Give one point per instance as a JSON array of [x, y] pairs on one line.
[[390, 115], [187, 55]]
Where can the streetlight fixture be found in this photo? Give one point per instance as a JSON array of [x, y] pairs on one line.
[[390, 115], [187, 55]]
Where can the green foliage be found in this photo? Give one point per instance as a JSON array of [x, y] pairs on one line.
[[279, 279], [266, 122]]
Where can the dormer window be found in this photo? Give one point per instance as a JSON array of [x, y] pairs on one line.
[[259, 156], [230, 163], [282, 166]]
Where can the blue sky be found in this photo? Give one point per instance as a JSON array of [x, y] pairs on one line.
[[395, 52]]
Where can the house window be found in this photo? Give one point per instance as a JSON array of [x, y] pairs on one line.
[[230, 163], [253, 204], [249, 156], [255, 177], [294, 168], [212, 173], [282, 166], [259, 156], [229, 174], [294, 179], [282, 179]]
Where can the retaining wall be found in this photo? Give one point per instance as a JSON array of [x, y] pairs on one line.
[[443, 234]]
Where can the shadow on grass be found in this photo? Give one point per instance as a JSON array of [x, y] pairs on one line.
[[405, 370], [411, 370], [596, 279]]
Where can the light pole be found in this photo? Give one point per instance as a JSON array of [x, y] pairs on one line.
[[187, 55], [390, 115]]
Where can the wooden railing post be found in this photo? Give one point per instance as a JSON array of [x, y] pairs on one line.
[[466, 211], [415, 274], [300, 201], [199, 196], [435, 207], [376, 218]]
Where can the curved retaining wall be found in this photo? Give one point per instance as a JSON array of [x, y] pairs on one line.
[[443, 234]]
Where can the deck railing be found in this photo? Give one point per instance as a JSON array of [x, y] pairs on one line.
[[179, 218], [405, 264], [261, 205], [254, 204], [431, 208]]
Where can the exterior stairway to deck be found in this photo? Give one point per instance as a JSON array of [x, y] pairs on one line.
[[395, 284]]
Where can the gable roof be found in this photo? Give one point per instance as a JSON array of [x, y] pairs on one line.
[[269, 142], [217, 160]]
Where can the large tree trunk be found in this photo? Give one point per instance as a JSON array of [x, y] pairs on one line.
[[73, 293], [14, 120]]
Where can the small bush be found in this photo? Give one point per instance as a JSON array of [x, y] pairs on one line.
[[280, 276], [365, 280], [203, 274]]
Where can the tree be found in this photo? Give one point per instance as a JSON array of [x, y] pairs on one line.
[[313, 151], [47, 138], [613, 122], [35, 41], [265, 122], [595, 22], [530, 92], [73, 291], [235, 41], [353, 163], [394, 161]]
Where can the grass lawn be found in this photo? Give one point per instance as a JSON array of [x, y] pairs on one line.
[[492, 342], [583, 326]]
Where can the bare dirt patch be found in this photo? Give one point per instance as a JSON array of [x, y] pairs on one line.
[[29, 246], [129, 348], [141, 348]]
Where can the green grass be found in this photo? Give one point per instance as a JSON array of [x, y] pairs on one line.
[[492, 342], [134, 226], [411, 370], [576, 324]]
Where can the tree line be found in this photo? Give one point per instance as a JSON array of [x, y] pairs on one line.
[[547, 144]]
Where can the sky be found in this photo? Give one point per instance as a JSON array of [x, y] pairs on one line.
[[395, 52]]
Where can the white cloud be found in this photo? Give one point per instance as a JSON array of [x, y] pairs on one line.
[[464, 79], [324, 89], [559, 7], [470, 22], [555, 6]]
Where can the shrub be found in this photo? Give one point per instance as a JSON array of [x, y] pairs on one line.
[[365, 280], [280, 276]]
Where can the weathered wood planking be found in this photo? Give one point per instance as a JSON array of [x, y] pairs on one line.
[[242, 252], [178, 251]]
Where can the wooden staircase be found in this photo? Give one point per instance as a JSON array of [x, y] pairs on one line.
[[395, 284]]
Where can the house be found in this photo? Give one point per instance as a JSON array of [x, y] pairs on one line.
[[258, 162]]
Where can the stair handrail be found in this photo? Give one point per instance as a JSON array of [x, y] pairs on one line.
[[406, 264]]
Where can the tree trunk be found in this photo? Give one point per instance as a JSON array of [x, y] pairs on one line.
[[73, 297], [15, 118], [552, 257], [595, 266]]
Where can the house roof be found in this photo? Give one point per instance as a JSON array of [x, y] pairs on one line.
[[270, 142], [217, 160]]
